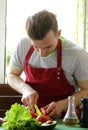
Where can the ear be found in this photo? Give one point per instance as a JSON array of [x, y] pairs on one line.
[[59, 33]]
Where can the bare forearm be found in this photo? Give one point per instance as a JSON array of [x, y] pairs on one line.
[[79, 95], [18, 84], [63, 104]]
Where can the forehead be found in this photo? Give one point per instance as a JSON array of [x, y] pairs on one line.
[[46, 41]]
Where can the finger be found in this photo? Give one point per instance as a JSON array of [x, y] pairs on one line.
[[33, 100], [52, 114], [48, 106], [25, 101], [30, 102], [36, 99], [51, 107]]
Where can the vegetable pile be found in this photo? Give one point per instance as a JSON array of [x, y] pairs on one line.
[[40, 115], [19, 117]]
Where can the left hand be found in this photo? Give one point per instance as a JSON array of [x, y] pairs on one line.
[[55, 109]]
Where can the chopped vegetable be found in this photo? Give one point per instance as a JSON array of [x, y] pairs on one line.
[[43, 118], [34, 115], [37, 110], [43, 110], [18, 117]]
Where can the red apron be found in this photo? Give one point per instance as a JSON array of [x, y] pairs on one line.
[[50, 83]]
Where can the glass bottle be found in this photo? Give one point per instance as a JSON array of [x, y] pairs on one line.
[[71, 117], [84, 113]]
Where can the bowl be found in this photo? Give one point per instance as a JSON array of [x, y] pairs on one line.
[[48, 126]]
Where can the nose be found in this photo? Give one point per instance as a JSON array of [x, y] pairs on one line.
[[42, 52]]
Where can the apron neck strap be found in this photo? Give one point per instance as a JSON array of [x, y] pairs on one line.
[[28, 55], [59, 58]]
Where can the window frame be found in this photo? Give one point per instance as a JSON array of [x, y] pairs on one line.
[[2, 39]]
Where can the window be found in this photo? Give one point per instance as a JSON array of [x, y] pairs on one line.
[[86, 27], [71, 15]]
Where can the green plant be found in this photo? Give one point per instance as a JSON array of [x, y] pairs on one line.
[[8, 56]]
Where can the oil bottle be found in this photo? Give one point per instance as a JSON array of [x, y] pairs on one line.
[[71, 117]]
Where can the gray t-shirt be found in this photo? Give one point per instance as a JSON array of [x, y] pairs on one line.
[[74, 60]]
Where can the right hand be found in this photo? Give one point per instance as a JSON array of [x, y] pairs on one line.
[[30, 98]]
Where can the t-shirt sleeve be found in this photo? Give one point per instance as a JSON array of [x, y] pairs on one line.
[[81, 66], [19, 54]]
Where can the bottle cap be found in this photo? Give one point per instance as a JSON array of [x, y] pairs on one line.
[[85, 102]]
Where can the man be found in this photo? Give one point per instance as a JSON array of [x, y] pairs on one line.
[[54, 67]]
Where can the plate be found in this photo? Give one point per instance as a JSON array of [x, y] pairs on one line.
[[47, 126]]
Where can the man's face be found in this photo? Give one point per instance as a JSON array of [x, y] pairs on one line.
[[47, 45]]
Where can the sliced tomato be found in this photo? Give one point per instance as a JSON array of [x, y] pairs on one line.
[[34, 115], [43, 110], [43, 118]]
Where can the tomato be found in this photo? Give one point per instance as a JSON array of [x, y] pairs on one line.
[[43, 118], [43, 110], [33, 114]]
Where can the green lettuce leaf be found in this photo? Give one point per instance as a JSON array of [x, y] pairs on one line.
[[18, 117]]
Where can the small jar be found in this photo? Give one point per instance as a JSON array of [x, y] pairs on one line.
[[84, 113]]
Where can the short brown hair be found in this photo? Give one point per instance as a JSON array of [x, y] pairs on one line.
[[40, 23]]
